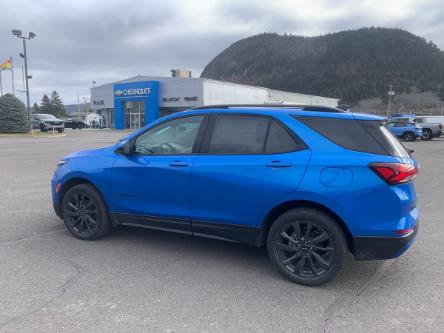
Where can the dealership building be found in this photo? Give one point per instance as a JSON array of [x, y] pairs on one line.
[[134, 102]]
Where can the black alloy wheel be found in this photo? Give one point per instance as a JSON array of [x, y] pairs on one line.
[[427, 135], [84, 212], [307, 246], [409, 136], [305, 249]]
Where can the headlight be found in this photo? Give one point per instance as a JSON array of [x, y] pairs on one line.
[[62, 162]]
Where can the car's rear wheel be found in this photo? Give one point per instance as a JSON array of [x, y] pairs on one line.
[[427, 134], [84, 212], [409, 136], [43, 128], [307, 246]]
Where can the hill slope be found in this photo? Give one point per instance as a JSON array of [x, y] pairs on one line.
[[351, 65]]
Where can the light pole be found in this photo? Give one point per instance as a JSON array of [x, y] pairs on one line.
[[391, 93], [85, 99], [31, 35]]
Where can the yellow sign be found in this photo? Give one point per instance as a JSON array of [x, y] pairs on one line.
[[6, 65]]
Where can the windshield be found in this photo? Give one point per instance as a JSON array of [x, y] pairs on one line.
[[46, 116]]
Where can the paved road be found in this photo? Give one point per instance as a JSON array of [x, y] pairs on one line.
[[148, 281]]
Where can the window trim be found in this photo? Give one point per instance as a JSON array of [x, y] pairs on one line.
[[197, 141], [210, 129]]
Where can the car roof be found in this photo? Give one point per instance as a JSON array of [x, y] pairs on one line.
[[304, 111]]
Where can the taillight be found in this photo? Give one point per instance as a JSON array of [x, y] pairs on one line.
[[440, 126], [394, 173]]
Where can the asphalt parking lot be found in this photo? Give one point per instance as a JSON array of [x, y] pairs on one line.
[[137, 280]]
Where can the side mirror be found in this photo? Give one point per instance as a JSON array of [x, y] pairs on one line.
[[125, 149]]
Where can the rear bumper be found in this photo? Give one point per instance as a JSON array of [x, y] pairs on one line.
[[374, 248]]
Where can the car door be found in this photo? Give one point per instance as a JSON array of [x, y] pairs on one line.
[[151, 185], [395, 128], [246, 163]]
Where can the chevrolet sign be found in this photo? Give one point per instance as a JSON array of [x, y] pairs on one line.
[[133, 92]]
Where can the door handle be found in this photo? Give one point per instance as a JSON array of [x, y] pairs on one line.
[[278, 164], [178, 164]]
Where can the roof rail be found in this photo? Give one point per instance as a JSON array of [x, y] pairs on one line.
[[304, 107]]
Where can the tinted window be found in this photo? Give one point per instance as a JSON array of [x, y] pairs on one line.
[[172, 137], [234, 134], [364, 135], [280, 141]]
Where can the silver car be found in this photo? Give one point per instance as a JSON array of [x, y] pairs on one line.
[[47, 122]]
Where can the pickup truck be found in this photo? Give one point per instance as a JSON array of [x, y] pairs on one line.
[[429, 130]]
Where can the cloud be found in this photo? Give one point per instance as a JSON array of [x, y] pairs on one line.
[[83, 41]]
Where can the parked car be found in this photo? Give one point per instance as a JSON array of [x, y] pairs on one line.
[[47, 122], [404, 130], [309, 183], [430, 130], [75, 123]]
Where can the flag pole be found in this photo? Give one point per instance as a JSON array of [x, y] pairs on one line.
[[1, 86], [12, 74]]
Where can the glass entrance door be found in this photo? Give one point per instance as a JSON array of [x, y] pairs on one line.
[[134, 113]]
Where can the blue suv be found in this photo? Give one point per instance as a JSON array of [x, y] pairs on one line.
[[310, 183], [404, 130]]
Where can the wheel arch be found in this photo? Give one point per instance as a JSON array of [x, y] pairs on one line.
[[77, 181], [286, 206]]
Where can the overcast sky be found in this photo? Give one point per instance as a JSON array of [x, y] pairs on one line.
[[83, 41]]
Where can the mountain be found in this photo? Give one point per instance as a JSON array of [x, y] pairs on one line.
[[351, 65]]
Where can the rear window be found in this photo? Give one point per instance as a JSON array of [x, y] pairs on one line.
[[279, 140], [369, 136], [238, 135], [249, 134]]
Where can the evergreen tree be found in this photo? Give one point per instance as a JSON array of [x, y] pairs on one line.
[[13, 115], [35, 108], [45, 106], [58, 109]]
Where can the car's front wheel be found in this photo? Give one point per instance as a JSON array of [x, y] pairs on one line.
[[307, 246], [409, 136], [427, 134], [84, 212]]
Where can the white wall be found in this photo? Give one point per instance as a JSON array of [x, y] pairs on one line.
[[284, 97], [217, 92]]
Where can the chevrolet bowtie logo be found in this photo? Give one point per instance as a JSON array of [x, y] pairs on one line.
[[118, 92]]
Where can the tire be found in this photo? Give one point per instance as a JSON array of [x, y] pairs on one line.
[[43, 128], [427, 134], [290, 247], [409, 136], [59, 130], [81, 206]]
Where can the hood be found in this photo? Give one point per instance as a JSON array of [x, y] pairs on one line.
[[90, 152]]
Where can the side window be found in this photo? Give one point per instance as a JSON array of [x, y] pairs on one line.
[[400, 124], [280, 141], [238, 134], [176, 136]]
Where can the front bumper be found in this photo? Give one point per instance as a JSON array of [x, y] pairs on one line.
[[374, 248]]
